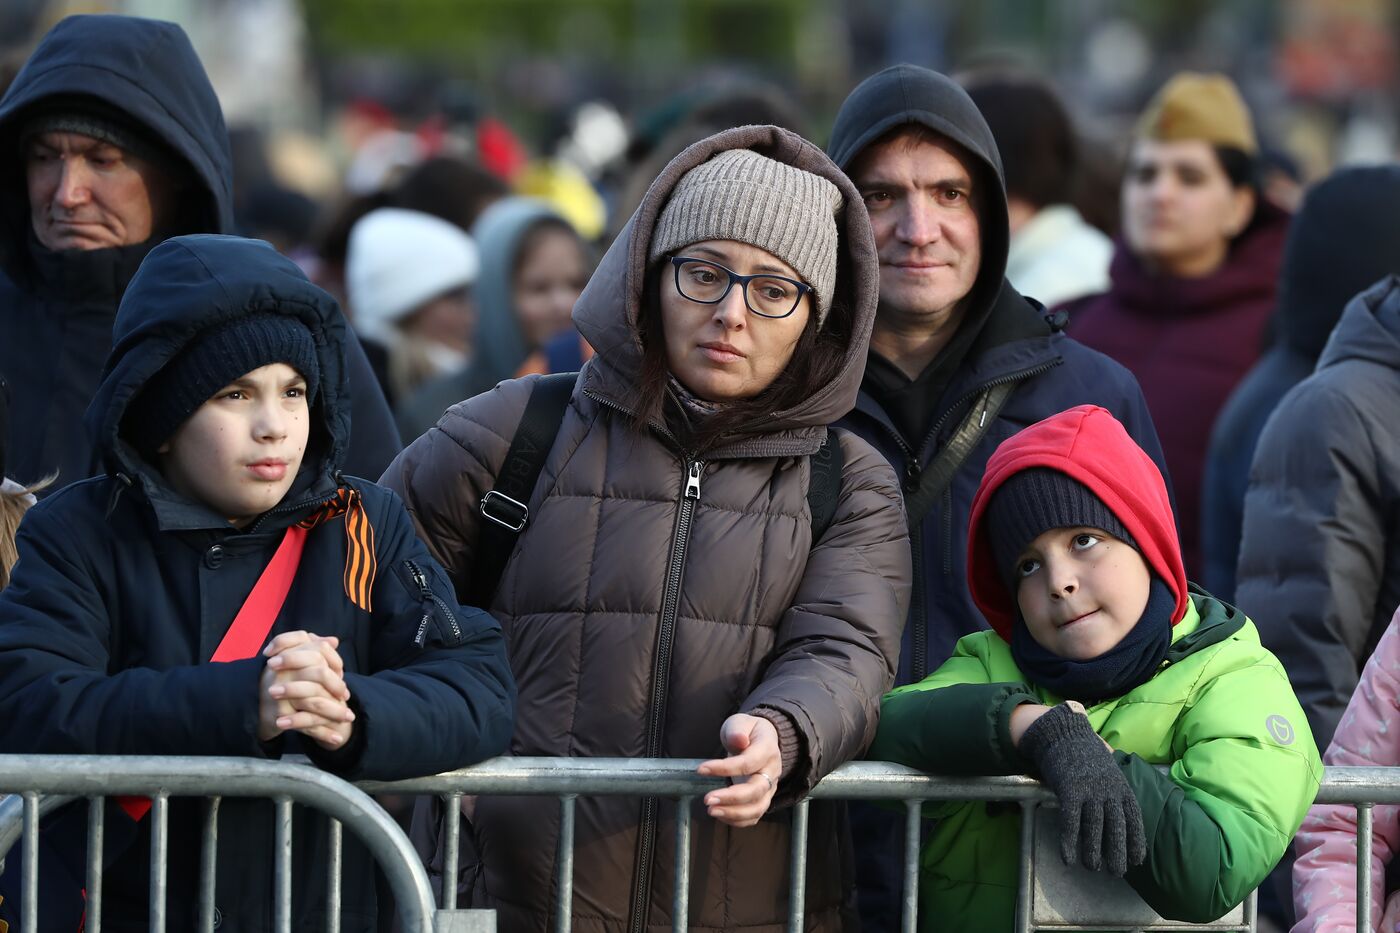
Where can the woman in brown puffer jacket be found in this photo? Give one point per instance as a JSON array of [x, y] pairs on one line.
[[666, 598]]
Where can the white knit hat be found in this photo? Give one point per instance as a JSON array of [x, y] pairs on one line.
[[398, 260]]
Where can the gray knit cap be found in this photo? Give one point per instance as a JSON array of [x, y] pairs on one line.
[[741, 195]]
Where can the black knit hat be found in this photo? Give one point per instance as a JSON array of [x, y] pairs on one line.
[[1034, 501], [91, 116], [213, 360]]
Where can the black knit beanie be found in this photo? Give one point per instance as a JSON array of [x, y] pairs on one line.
[[94, 117], [1034, 501], [213, 360]]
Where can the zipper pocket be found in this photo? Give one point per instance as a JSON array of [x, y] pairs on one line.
[[434, 608]]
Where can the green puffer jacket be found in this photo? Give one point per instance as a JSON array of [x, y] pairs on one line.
[[1220, 711]]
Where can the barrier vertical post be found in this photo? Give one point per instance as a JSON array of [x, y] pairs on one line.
[[1025, 871], [282, 872], [564, 880], [29, 882], [96, 812], [909, 916], [336, 851], [452, 825], [1363, 866], [680, 908], [208, 865], [797, 893], [160, 858]]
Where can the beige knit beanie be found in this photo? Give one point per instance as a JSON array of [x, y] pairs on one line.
[[741, 195]]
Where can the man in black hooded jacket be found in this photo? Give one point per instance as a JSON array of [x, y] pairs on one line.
[[958, 363], [111, 140]]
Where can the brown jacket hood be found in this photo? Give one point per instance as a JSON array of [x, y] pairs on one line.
[[607, 311]]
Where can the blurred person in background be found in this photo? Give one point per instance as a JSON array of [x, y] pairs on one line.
[[409, 276], [958, 362], [1193, 278], [111, 140], [1341, 242], [450, 187], [1054, 255], [533, 268]]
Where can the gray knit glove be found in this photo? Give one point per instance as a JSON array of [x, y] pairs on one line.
[[1100, 821]]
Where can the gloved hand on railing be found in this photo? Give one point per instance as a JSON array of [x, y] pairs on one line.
[[1100, 821]]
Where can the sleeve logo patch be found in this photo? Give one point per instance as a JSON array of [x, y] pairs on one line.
[[1280, 729]]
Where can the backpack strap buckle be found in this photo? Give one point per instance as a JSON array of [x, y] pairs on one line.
[[511, 513]]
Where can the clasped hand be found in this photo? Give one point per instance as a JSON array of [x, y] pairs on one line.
[[303, 689]]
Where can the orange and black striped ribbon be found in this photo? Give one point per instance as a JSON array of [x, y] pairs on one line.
[[360, 561]]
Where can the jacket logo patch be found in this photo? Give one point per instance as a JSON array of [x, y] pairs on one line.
[[1280, 729]]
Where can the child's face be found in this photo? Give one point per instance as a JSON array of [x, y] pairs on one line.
[[240, 451], [1080, 590]]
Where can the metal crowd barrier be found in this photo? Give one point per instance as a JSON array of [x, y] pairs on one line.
[[1049, 896]]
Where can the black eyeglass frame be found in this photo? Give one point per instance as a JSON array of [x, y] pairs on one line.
[[802, 287]]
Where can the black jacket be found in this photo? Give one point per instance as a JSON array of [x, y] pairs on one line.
[[124, 588], [57, 308], [1003, 337], [1319, 564]]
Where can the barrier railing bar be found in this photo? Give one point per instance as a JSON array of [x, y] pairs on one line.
[[453, 824], [335, 858], [96, 811], [29, 881], [909, 914], [797, 862], [564, 875], [680, 908], [1363, 866], [160, 858], [282, 870], [1025, 870], [208, 865]]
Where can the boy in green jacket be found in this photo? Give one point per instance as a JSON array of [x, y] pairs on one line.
[[1101, 665]]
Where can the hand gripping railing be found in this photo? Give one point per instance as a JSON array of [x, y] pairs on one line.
[[99, 776]]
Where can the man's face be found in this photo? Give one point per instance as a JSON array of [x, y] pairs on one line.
[[85, 193], [923, 208]]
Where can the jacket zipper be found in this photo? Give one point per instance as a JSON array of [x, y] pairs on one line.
[[660, 683], [918, 665], [426, 592]]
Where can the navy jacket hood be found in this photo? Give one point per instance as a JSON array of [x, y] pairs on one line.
[[145, 68], [1369, 329], [904, 94], [189, 284]]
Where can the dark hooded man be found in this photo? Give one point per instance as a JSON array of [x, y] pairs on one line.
[[958, 363], [111, 140]]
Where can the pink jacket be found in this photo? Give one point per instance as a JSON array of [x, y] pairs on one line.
[[1324, 877]]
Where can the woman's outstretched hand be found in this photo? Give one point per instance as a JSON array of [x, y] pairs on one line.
[[753, 768]]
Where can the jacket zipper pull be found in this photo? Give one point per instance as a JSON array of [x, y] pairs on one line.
[[692, 481], [418, 578]]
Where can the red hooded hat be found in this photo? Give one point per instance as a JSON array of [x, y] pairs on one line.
[[1088, 444]]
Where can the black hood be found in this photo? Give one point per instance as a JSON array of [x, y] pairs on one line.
[[147, 70], [1340, 243], [903, 94], [189, 284]]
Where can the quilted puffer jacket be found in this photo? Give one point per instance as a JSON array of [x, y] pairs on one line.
[[656, 591]]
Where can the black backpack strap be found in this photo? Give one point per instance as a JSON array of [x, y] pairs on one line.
[[506, 507], [824, 486], [975, 424]]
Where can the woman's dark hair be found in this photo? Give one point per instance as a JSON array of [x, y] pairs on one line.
[[1242, 169], [536, 232], [1033, 134], [815, 362]]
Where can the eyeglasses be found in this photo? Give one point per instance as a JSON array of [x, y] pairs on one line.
[[765, 294]]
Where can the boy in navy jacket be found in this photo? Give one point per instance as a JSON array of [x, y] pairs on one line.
[[222, 417]]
